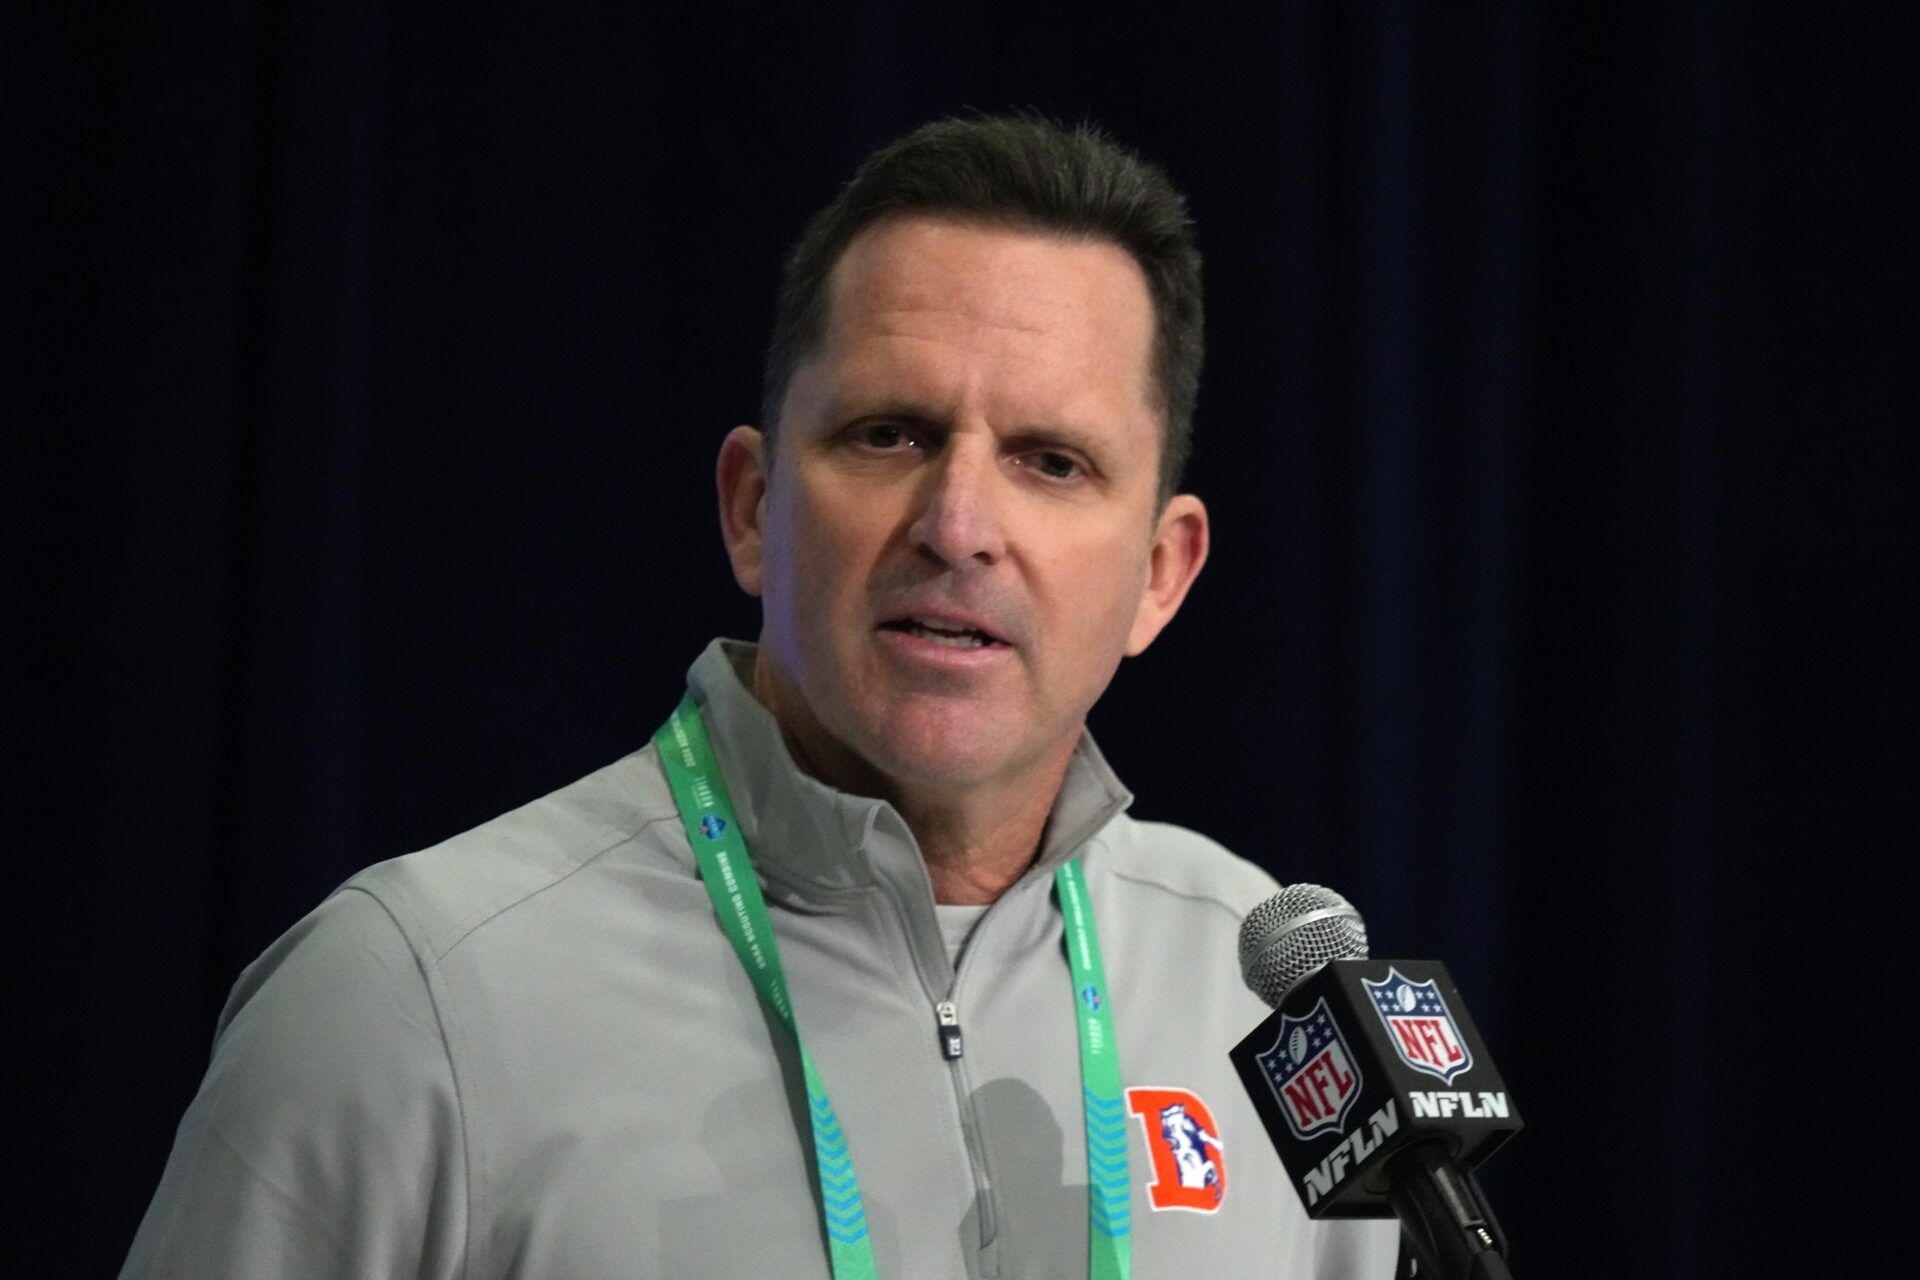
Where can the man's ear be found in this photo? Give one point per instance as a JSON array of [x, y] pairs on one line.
[[1179, 549], [740, 475]]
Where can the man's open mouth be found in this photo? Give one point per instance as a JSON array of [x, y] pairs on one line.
[[950, 634]]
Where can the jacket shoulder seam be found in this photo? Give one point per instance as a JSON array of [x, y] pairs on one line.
[[494, 910], [1162, 887]]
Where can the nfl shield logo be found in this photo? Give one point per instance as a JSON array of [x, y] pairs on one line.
[[1422, 1031], [1311, 1073]]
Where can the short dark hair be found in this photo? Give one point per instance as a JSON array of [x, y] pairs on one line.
[[1021, 171]]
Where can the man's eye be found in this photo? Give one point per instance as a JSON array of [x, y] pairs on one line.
[[882, 435], [1055, 466]]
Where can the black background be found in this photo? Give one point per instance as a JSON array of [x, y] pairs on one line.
[[364, 365]]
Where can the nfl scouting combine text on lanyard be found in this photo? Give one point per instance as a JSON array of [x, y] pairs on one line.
[[726, 867]]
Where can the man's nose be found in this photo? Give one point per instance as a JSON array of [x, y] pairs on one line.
[[960, 521]]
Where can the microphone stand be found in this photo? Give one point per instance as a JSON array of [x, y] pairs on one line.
[[1445, 1218]]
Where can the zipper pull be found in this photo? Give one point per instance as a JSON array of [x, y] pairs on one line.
[[949, 1029]]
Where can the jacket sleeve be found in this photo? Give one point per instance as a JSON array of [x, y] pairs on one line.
[[327, 1138], [1359, 1249]]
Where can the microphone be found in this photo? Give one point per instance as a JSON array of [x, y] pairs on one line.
[[1343, 1075], [1292, 934]]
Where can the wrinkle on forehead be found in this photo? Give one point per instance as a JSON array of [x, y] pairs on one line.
[[886, 344], [1005, 300], [906, 320]]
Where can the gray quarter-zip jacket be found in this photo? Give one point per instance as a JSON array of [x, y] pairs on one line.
[[531, 1052]]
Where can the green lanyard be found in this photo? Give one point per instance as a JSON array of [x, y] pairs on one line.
[[701, 794]]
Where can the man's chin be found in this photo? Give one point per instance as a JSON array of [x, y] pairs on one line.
[[946, 748]]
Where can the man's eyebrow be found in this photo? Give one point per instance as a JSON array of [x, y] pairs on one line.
[[1062, 436], [856, 408]]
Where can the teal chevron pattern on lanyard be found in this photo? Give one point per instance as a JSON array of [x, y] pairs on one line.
[[706, 810], [1107, 1206], [839, 1191]]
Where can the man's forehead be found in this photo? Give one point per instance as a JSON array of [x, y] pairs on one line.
[[1061, 319], [1000, 270]]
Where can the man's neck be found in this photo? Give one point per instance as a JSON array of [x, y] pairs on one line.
[[976, 840], [976, 847]]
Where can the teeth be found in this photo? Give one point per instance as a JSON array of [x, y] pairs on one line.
[[952, 638]]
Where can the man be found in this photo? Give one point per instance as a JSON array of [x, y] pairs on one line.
[[554, 1046]]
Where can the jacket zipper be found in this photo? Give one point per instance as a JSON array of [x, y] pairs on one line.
[[985, 1195], [947, 1018], [947, 1024]]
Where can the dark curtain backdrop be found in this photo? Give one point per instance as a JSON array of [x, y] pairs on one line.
[[364, 365]]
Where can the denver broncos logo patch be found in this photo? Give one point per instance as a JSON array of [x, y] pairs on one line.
[[1188, 1170]]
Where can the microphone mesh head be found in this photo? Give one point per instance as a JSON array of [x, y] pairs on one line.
[[1293, 933]]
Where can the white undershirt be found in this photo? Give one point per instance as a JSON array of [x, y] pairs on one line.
[[956, 925]]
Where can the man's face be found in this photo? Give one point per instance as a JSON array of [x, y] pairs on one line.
[[958, 536]]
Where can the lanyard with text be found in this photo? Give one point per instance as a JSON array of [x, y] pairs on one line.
[[725, 866]]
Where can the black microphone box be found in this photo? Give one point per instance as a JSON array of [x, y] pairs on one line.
[[1360, 1060]]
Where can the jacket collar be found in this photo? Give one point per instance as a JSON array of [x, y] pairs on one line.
[[801, 830]]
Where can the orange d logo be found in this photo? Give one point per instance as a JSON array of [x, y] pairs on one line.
[[1188, 1170]]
